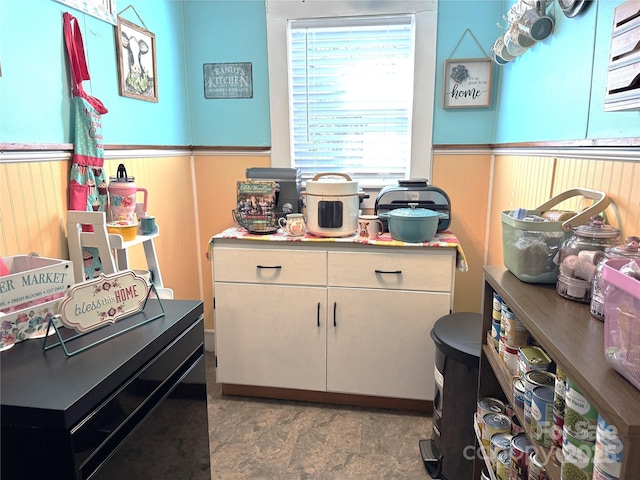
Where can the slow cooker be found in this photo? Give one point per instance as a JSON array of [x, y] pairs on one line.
[[332, 205]]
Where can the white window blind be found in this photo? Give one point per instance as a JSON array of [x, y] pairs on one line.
[[351, 95]]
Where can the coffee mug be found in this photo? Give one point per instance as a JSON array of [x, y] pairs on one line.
[[369, 226], [148, 225], [293, 224]]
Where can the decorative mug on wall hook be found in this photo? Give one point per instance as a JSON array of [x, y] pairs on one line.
[[293, 224]]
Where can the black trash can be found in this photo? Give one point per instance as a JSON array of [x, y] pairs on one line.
[[450, 452]]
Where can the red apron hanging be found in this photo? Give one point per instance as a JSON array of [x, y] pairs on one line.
[[87, 185]]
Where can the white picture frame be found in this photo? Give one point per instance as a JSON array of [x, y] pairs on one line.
[[102, 9]]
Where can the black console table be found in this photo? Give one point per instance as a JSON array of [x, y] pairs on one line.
[[133, 407]]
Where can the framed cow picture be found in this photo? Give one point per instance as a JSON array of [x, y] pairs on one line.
[[136, 52]]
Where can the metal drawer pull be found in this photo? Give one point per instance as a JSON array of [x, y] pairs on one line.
[[335, 304], [392, 272], [266, 266], [318, 314]]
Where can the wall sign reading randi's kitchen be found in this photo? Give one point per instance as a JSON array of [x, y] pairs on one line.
[[228, 80], [467, 83], [103, 300]]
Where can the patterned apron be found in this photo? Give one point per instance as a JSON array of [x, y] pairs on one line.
[[87, 185]]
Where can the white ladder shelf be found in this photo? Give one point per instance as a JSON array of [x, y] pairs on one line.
[[111, 247]]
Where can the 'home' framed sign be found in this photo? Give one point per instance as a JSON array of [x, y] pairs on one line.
[[467, 83]]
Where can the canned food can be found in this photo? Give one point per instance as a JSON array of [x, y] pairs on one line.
[[497, 302], [542, 415], [521, 448], [561, 389], [516, 333], [489, 405], [501, 345], [510, 359], [503, 466], [536, 468], [492, 424], [580, 418], [495, 333], [577, 457], [518, 392], [556, 437], [532, 379], [499, 442], [532, 358], [485, 474], [600, 475], [516, 427], [608, 453]]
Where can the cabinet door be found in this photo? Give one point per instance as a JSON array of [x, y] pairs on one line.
[[271, 335], [380, 343]]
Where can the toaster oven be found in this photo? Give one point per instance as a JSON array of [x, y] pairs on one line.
[[415, 191]]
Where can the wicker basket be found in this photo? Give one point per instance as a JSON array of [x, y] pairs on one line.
[[261, 224]]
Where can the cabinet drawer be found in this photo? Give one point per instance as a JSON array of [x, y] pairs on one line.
[[431, 271], [270, 266]]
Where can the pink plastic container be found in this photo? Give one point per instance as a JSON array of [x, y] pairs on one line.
[[622, 320]]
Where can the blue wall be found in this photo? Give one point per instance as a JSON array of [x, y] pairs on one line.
[[555, 91], [228, 32], [35, 83]]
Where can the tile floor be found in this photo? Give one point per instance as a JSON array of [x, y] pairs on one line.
[[259, 439]]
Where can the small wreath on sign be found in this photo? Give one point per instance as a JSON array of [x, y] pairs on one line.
[[459, 74]]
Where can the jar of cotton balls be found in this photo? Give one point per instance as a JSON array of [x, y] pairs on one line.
[[579, 256]]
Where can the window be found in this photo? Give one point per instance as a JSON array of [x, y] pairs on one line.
[[365, 109], [351, 96]]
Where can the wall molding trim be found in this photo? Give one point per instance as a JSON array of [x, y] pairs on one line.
[[10, 153]]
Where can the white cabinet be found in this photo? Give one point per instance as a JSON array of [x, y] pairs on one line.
[[380, 343], [329, 316], [271, 335]]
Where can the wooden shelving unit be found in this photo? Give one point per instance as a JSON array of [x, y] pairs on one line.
[[574, 340]]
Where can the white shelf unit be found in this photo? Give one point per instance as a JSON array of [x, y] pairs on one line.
[[113, 248]]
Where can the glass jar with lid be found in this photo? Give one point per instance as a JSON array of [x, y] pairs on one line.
[[579, 256], [630, 249]]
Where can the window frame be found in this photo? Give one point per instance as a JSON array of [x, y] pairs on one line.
[[278, 14]]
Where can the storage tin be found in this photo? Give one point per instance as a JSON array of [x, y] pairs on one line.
[[577, 457], [542, 415], [580, 418], [492, 424], [521, 448], [532, 358], [608, 453], [532, 379]]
